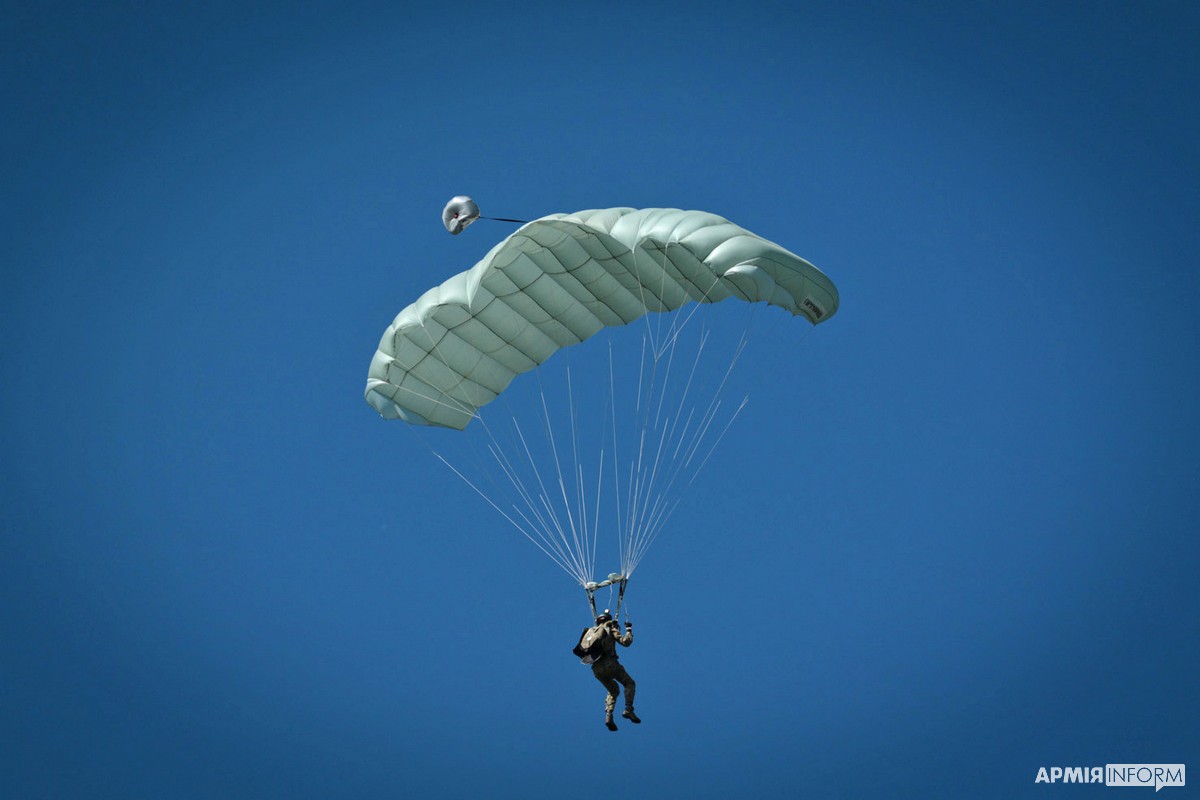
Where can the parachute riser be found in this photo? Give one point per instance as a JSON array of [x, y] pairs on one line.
[[615, 579]]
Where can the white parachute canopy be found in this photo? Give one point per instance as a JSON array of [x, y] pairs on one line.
[[561, 279]]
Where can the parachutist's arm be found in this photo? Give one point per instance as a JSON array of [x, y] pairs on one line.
[[627, 639]]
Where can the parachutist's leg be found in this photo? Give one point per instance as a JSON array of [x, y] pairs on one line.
[[614, 691], [610, 701], [630, 689]]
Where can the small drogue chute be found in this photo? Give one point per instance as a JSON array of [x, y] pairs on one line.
[[460, 212]]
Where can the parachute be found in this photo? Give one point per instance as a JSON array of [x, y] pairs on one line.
[[561, 279], [555, 283]]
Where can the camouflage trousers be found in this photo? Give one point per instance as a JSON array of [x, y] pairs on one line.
[[610, 673]]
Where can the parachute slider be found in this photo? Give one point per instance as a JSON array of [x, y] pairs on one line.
[[614, 577]]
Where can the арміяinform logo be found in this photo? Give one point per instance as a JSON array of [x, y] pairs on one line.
[[1156, 775]]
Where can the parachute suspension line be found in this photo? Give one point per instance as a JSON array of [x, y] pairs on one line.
[[547, 528], [656, 525], [800, 339], [642, 406], [609, 409], [542, 514], [640, 485], [643, 479], [504, 219], [687, 443], [650, 338], [660, 314], [644, 501], [637, 480], [737, 355], [546, 524], [710, 414], [662, 291], [696, 305], [647, 378], [639, 488], [720, 436], [437, 455], [577, 473], [745, 340], [679, 320], [637, 274], [662, 395], [660, 303], [547, 505], [514, 523], [546, 545], [624, 523], [641, 372], [642, 519], [670, 435], [544, 528], [596, 525], [612, 394], [575, 535]]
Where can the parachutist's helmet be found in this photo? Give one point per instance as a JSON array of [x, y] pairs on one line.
[[603, 618]]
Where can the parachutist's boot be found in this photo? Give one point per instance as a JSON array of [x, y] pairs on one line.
[[632, 717], [608, 720]]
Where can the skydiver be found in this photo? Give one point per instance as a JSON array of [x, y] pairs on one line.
[[607, 666]]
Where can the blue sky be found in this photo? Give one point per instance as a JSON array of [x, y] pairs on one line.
[[951, 539]]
